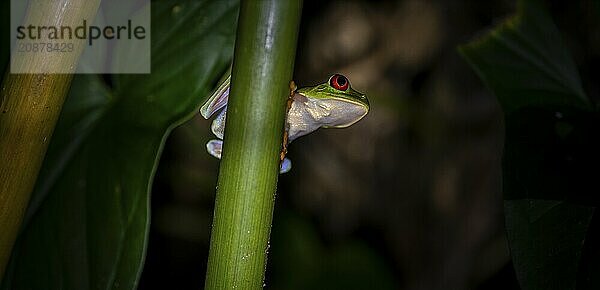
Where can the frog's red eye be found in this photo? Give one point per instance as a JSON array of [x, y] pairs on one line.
[[339, 82]]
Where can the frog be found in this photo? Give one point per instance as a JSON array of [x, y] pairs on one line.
[[332, 104]]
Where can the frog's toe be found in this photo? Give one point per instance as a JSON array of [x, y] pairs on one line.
[[218, 124], [214, 147], [286, 165]]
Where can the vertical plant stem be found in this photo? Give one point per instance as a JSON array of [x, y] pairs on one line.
[[29, 108], [262, 68]]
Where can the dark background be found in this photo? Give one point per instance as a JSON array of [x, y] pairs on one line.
[[408, 198]]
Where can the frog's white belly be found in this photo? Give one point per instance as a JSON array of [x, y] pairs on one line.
[[307, 115]]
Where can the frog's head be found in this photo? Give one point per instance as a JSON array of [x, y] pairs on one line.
[[345, 105]]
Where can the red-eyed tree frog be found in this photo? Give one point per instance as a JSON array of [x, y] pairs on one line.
[[333, 104]]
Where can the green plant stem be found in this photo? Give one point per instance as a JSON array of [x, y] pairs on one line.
[[29, 108], [262, 69]]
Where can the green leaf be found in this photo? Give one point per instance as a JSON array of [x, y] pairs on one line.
[[551, 144], [546, 238], [87, 224], [549, 183], [525, 63], [300, 260]]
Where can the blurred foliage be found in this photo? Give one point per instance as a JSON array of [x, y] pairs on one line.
[[87, 223], [416, 183], [550, 150], [314, 265], [413, 189], [526, 63]]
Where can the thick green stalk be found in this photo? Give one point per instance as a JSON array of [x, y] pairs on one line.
[[262, 69], [29, 108]]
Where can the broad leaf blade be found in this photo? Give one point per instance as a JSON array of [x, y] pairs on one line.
[[550, 146], [546, 239], [525, 63], [550, 194], [88, 224]]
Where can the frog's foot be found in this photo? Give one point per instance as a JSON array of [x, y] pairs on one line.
[[286, 165], [215, 147]]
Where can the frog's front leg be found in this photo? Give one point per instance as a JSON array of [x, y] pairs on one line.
[[286, 130], [215, 148], [219, 101]]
